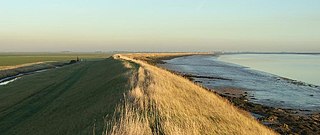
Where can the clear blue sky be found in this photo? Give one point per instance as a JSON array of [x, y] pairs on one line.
[[160, 25]]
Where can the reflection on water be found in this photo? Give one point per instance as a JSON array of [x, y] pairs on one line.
[[10, 79], [267, 89], [7, 82], [300, 67]]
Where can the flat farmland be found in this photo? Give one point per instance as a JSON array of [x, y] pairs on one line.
[[13, 59]]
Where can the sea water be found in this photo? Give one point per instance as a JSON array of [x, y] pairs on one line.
[[302, 67]]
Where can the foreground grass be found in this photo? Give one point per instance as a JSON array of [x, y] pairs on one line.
[[70, 100], [163, 103]]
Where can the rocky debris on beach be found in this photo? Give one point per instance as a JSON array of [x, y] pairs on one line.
[[296, 82], [284, 121], [205, 77]]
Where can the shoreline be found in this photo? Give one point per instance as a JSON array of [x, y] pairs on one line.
[[284, 121], [299, 53]]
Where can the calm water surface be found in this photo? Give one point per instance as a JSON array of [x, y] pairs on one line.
[[265, 88], [300, 67]]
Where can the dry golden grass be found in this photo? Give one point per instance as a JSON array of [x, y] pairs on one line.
[[163, 103]]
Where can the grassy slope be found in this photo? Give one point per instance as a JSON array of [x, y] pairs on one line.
[[69, 100], [163, 103]]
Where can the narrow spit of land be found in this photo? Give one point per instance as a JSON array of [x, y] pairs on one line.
[[164, 103]]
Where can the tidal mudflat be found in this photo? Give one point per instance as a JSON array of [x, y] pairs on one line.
[[262, 87]]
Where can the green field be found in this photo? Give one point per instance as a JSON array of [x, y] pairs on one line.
[[73, 99], [12, 59]]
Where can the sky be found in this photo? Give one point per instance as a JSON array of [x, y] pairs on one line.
[[159, 25]]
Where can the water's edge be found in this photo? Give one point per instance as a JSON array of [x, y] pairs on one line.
[[263, 88], [280, 118]]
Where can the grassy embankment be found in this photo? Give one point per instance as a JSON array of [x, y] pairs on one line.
[[73, 99], [163, 103]]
